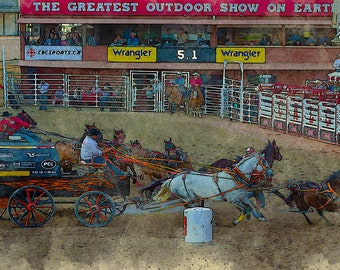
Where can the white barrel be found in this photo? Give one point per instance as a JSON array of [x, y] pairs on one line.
[[198, 225]]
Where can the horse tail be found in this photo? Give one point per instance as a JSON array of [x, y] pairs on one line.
[[164, 193]]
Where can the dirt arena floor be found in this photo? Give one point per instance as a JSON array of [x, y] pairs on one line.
[[155, 240]]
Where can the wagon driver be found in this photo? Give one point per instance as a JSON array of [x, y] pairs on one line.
[[91, 153]]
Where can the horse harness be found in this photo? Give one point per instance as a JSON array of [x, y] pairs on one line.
[[255, 177], [325, 189]]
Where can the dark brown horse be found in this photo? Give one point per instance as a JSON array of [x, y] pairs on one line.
[[321, 197], [177, 158], [175, 98], [123, 153], [195, 102], [271, 152], [69, 151]]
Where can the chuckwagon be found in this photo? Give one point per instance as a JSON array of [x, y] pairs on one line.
[[30, 179]]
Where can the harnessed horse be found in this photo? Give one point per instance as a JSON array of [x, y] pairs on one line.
[[122, 153], [321, 197], [230, 185]]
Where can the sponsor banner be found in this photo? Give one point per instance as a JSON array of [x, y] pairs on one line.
[[64, 53], [186, 55], [127, 54], [241, 54], [287, 8]]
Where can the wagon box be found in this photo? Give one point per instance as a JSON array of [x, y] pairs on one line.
[[22, 156]]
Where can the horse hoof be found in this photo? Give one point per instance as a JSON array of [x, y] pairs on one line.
[[262, 219], [235, 222]]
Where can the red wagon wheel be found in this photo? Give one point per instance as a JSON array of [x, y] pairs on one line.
[[30, 206], [94, 209]]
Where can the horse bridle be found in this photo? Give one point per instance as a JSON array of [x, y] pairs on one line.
[[256, 176]]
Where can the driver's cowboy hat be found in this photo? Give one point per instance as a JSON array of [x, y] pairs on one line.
[[6, 114], [196, 73], [93, 132]]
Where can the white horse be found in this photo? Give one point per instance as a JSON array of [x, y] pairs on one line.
[[232, 186]]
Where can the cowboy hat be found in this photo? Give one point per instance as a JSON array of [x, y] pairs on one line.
[[6, 114], [179, 73], [93, 131], [196, 73]]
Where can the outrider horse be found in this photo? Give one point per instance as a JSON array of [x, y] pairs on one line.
[[69, 151], [195, 102], [175, 98], [321, 197]]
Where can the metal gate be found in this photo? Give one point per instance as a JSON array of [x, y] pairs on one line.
[[146, 90]]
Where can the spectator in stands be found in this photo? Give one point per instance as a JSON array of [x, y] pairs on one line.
[[311, 41], [200, 39], [118, 41], [182, 37], [69, 40], [230, 42], [295, 38], [76, 39], [105, 98], [133, 40], [51, 40], [168, 39], [57, 40], [91, 40], [168, 35], [43, 94], [265, 41], [276, 41], [58, 97]]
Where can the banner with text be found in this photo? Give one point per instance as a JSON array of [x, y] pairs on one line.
[[186, 55], [64, 53], [288, 8], [240, 54], [126, 54]]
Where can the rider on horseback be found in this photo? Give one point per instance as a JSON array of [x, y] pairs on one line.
[[179, 81]]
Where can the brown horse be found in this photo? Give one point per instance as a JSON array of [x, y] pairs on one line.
[[321, 197], [153, 163], [122, 154], [195, 103], [69, 151], [177, 158], [175, 98]]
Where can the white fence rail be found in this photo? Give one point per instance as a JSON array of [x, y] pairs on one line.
[[288, 109]]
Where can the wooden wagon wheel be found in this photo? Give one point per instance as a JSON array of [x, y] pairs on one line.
[[120, 204], [94, 209], [30, 206]]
